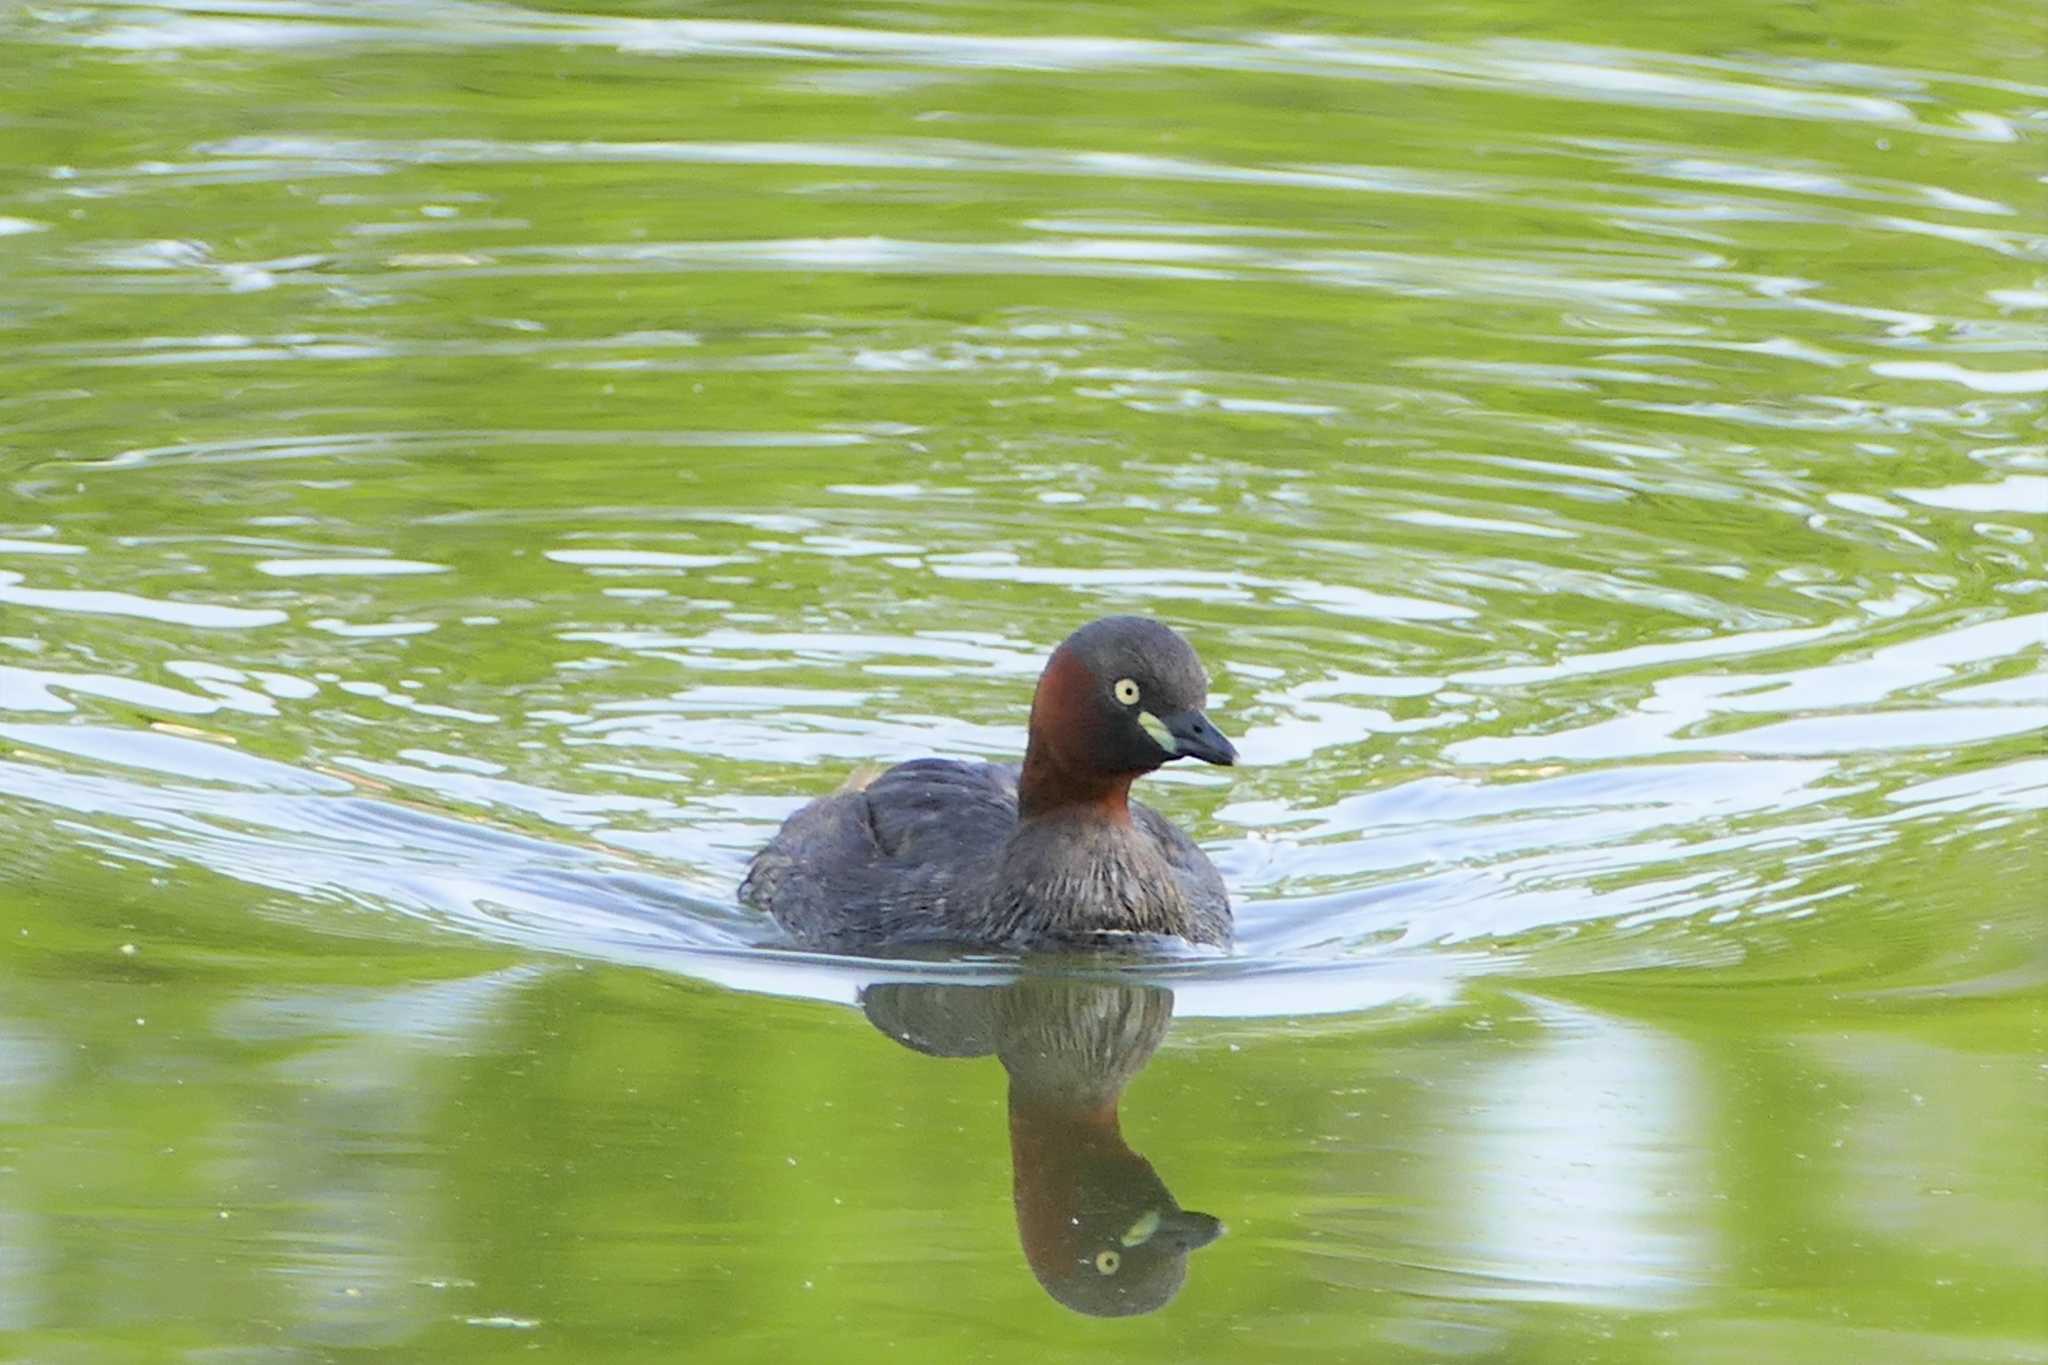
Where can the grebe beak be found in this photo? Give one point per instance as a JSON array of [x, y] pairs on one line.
[[1188, 734]]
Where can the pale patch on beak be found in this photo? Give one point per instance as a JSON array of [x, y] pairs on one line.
[[1141, 1231], [1156, 728]]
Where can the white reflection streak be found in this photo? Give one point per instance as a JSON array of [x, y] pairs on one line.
[[26, 1063], [1608, 75], [1579, 1178], [361, 1242], [200, 614]]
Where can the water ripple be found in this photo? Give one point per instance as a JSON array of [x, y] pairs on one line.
[[1608, 493]]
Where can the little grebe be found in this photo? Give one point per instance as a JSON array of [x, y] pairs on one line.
[[988, 854]]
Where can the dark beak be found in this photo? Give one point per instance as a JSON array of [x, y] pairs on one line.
[[1186, 1230], [1195, 737]]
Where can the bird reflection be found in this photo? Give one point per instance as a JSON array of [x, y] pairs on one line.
[[1100, 1229]]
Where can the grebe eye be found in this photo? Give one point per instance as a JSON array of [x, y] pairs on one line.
[[1106, 1262], [1126, 691]]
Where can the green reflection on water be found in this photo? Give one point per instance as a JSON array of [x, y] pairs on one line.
[[319, 1143]]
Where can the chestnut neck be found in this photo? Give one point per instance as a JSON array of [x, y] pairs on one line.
[[1046, 787], [1053, 1150], [1056, 779]]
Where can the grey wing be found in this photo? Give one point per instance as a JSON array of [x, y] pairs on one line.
[[1199, 880], [880, 860], [932, 811]]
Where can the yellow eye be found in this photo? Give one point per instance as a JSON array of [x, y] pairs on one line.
[[1107, 1262], [1126, 691]]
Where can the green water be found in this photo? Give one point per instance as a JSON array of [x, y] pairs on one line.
[[466, 471]]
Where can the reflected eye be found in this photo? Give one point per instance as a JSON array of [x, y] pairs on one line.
[[1126, 691], [1107, 1261]]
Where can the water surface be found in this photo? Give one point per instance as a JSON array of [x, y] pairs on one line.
[[468, 470]]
